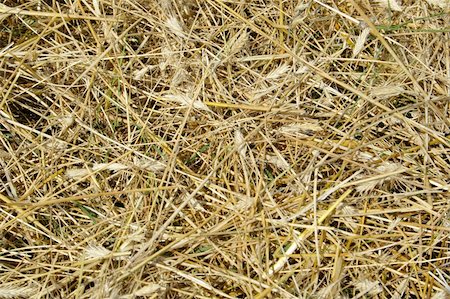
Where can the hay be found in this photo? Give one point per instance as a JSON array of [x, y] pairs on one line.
[[226, 149]]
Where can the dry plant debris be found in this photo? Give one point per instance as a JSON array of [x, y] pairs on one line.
[[224, 149]]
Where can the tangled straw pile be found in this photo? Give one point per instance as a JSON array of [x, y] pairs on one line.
[[224, 149]]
